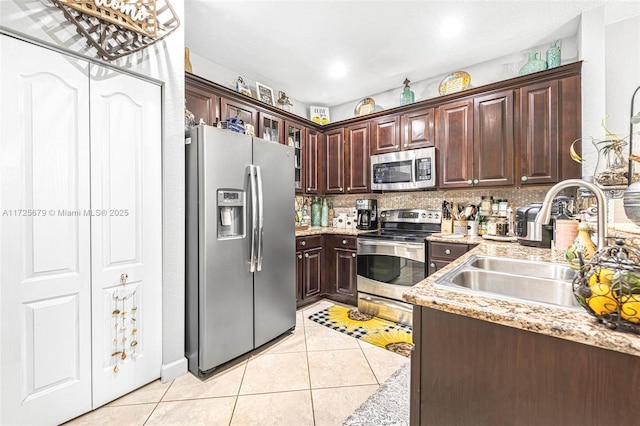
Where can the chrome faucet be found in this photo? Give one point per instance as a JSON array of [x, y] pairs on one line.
[[544, 215]]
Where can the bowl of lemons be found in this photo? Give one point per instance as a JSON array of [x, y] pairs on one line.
[[608, 287]]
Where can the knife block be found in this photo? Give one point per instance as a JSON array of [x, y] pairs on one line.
[[446, 227]]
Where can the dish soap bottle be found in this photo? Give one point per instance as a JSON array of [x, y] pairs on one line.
[[324, 218], [406, 97], [583, 243], [331, 214]]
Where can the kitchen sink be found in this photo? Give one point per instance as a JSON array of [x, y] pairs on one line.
[[525, 281]]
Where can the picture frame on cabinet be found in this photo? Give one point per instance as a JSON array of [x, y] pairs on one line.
[[265, 94]]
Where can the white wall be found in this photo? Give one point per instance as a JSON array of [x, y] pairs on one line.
[[225, 77], [164, 61], [503, 68], [622, 78]]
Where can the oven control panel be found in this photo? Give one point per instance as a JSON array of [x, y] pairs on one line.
[[411, 215]]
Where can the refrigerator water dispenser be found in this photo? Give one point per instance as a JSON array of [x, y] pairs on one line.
[[231, 212]]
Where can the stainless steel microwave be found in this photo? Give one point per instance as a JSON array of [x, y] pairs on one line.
[[404, 170]]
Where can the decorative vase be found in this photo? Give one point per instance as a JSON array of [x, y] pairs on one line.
[[534, 64], [553, 54], [611, 165], [187, 61]]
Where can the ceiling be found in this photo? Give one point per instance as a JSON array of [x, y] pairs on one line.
[[332, 52]]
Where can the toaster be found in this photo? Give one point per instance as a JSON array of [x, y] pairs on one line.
[[529, 232]]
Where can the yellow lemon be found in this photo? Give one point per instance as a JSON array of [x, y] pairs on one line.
[[325, 120], [601, 275], [602, 300], [630, 308]]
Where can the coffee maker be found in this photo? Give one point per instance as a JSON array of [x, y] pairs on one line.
[[367, 214]]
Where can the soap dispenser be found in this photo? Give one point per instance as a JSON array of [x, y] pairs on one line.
[[583, 243]]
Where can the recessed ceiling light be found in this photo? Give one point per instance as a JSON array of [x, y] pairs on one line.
[[450, 27], [338, 70]]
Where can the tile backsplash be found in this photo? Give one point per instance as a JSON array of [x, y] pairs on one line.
[[433, 199]]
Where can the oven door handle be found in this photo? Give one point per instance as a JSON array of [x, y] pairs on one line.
[[387, 303], [417, 246]]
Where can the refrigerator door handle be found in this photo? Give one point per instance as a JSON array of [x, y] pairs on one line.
[[260, 218], [254, 216]]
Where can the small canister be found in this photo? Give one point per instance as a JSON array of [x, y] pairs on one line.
[[502, 226], [485, 204], [492, 226]]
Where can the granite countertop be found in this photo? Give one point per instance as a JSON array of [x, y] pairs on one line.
[[319, 230], [577, 326]]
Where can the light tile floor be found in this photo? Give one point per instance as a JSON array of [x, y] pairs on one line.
[[313, 376]]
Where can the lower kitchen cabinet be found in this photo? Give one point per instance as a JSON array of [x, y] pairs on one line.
[[465, 371], [341, 268], [440, 254], [309, 266]]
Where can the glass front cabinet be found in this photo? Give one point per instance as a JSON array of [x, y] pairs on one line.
[[295, 135]]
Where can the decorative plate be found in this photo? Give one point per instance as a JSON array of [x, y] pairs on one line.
[[454, 82], [364, 107]]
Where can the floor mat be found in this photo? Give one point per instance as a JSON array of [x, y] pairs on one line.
[[385, 334]]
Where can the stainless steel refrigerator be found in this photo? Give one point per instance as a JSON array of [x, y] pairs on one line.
[[240, 245]]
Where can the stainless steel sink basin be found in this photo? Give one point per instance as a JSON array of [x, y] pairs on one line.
[[525, 281]]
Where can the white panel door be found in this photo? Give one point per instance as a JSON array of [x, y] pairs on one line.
[[126, 233], [45, 299]]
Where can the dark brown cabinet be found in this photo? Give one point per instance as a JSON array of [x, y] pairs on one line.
[[341, 270], [412, 130], [455, 144], [334, 161], [418, 128], [309, 266], [440, 254], [385, 135], [202, 103], [357, 158], [549, 122], [230, 108], [270, 127], [312, 167], [296, 138], [546, 380], [475, 139], [493, 142]]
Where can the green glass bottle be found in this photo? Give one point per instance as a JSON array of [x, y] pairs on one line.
[[406, 97]]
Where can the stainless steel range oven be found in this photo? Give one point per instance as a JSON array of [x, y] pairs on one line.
[[393, 259]]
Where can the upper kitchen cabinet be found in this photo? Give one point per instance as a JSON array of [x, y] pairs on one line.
[[412, 130], [455, 144], [230, 108], [550, 120], [202, 103], [295, 135], [385, 134], [476, 141], [334, 154], [270, 127], [493, 153], [418, 129], [312, 165], [357, 158]]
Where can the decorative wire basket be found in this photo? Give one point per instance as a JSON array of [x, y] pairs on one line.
[[608, 287]]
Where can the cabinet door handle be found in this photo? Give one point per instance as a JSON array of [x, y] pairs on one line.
[[475, 181], [303, 243], [447, 251], [306, 255], [406, 145], [469, 182], [299, 256], [524, 178], [432, 265], [340, 189], [353, 255], [308, 189], [348, 188], [344, 242]]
